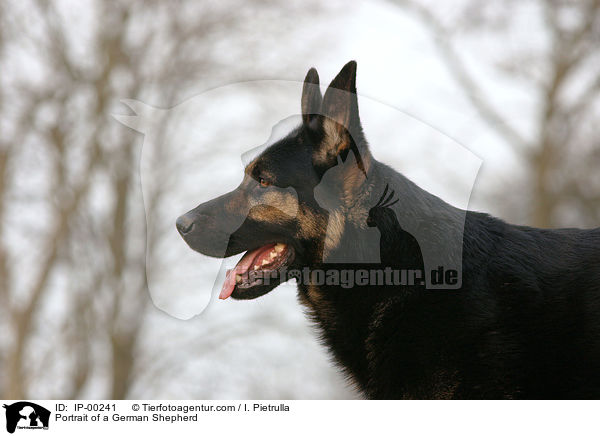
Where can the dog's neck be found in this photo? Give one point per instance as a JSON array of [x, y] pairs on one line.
[[434, 224]]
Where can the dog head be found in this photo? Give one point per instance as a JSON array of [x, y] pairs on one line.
[[273, 214]]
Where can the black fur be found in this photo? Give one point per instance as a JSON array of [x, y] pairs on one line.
[[524, 324]]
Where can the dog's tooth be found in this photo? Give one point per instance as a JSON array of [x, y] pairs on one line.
[[255, 267], [238, 278], [279, 247], [272, 254], [265, 262]]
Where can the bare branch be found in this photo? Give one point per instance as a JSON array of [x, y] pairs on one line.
[[472, 90]]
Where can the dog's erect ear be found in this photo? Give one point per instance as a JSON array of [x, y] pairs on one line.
[[340, 103], [311, 97], [340, 120]]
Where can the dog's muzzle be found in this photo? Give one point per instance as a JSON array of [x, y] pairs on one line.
[[184, 224]]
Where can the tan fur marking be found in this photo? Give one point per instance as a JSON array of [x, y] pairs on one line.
[[333, 143], [354, 177], [358, 213], [335, 230], [265, 213], [284, 201], [310, 225], [314, 296], [320, 154]]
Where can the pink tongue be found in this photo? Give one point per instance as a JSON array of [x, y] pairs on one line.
[[242, 266]]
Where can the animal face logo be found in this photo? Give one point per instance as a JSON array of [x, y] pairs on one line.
[[26, 415]]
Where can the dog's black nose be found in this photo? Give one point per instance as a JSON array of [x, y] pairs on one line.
[[184, 224]]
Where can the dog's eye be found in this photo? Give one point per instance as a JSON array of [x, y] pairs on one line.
[[263, 182]]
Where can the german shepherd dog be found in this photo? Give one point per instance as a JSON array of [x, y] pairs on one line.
[[524, 321]]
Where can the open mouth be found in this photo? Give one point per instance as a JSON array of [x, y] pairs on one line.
[[256, 267]]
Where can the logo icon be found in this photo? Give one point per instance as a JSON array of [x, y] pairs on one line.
[[26, 415]]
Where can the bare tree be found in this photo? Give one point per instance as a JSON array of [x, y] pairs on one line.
[[562, 149], [73, 291]]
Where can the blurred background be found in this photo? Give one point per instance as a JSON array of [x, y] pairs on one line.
[[516, 82]]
